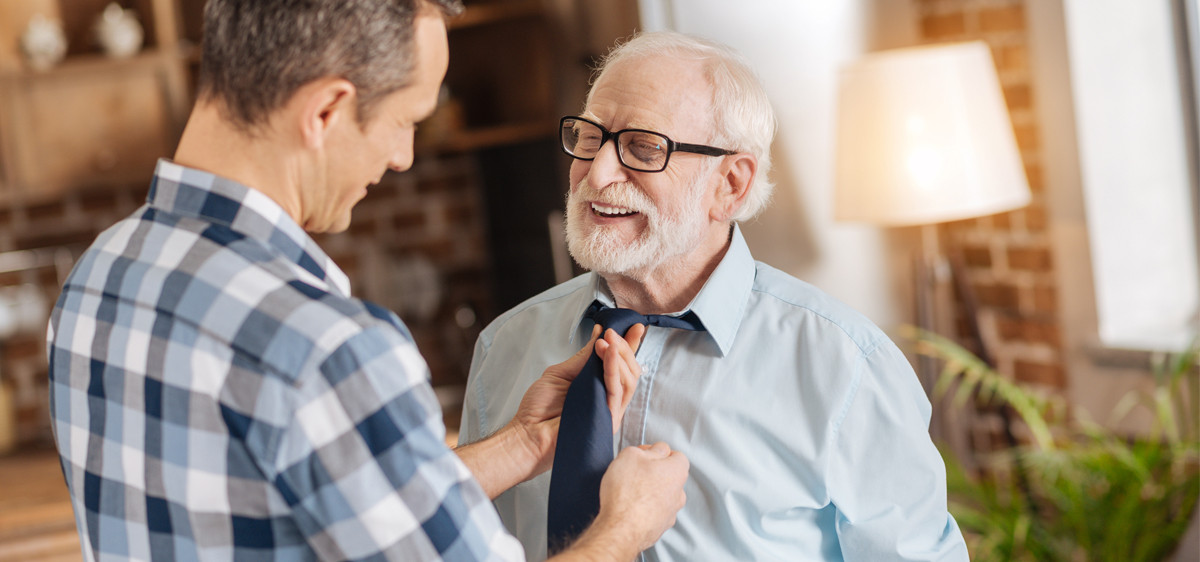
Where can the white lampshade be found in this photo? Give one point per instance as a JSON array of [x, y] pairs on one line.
[[924, 137]]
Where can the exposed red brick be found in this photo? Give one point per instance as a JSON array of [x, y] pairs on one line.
[[1027, 137], [348, 263], [1045, 299], [1014, 328], [1033, 173], [1018, 96], [1008, 326], [943, 26], [437, 250], [977, 256], [1051, 375], [1012, 58], [48, 277], [1002, 221], [461, 211], [441, 183], [408, 219], [1007, 18], [998, 295], [23, 347], [44, 212], [1045, 332], [96, 201], [1035, 217], [1030, 259], [955, 229], [363, 227], [80, 238], [28, 415]]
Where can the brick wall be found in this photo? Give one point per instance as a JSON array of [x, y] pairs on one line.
[[422, 226], [1007, 257]]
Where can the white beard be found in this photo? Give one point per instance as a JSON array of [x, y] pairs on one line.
[[665, 238]]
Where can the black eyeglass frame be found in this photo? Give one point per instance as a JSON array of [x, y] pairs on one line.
[[605, 135]]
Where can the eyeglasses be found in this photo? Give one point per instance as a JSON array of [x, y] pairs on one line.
[[637, 149]]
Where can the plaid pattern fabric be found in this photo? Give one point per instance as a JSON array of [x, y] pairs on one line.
[[217, 395]]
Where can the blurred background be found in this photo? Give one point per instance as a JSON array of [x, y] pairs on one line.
[[1073, 294]]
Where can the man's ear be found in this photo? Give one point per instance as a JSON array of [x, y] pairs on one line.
[[323, 105], [737, 175]]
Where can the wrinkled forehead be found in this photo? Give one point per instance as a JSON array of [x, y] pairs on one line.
[[668, 94]]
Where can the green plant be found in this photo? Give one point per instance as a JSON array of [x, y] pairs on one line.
[[1074, 490]]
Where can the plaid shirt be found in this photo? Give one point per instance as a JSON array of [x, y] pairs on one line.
[[217, 395]]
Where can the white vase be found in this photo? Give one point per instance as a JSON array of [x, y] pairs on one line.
[[119, 32], [43, 43]]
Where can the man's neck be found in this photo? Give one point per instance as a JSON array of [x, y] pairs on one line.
[[212, 144], [672, 285]]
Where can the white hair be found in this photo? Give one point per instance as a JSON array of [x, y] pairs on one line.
[[742, 115]]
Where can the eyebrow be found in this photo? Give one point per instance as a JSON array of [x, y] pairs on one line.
[[631, 125]]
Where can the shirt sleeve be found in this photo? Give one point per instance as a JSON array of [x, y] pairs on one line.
[[888, 482], [364, 467], [470, 429]]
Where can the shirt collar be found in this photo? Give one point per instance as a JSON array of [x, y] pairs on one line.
[[720, 304], [197, 194]]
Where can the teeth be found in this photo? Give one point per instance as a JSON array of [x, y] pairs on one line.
[[611, 211]]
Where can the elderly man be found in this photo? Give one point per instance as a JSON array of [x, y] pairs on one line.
[[805, 425], [217, 393]]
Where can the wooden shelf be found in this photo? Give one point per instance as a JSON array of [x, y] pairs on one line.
[[483, 14], [83, 64], [485, 137]]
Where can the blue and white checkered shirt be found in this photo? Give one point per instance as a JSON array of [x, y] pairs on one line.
[[217, 395]]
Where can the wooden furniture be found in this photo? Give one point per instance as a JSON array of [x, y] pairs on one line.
[[92, 120], [500, 79], [36, 521], [506, 65]]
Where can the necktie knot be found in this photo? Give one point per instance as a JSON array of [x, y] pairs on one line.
[[622, 319]]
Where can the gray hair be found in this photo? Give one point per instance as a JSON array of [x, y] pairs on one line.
[[257, 54], [742, 115]]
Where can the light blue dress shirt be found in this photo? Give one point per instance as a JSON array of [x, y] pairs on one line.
[[806, 428]]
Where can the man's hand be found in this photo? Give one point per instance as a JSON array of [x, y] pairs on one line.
[[524, 448], [538, 414], [640, 495]]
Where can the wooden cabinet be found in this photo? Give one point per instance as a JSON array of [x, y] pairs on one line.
[[91, 120], [500, 81], [505, 65], [88, 123]]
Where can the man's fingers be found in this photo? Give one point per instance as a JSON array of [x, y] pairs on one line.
[[569, 369], [621, 370], [586, 350], [660, 449], [615, 375], [634, 336]]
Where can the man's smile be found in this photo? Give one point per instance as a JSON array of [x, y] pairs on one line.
[[607, 211]]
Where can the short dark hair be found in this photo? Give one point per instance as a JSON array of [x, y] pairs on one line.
[[257, 53]]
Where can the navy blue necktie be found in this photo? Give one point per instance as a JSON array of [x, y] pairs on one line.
[[585, 431]]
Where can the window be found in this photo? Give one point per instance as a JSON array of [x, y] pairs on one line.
[[1131, 66]]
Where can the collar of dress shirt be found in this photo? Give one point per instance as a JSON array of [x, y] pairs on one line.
[[194, 193], [720, 304]]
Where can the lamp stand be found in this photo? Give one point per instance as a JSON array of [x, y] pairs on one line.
[[933, 274]]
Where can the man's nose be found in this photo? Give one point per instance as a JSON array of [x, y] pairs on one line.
[[606, 167], [402, 159]]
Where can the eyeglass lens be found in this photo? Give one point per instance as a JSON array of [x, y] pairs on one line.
[[639, 150]]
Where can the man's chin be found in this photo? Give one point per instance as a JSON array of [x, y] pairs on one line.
[[608, 256]]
